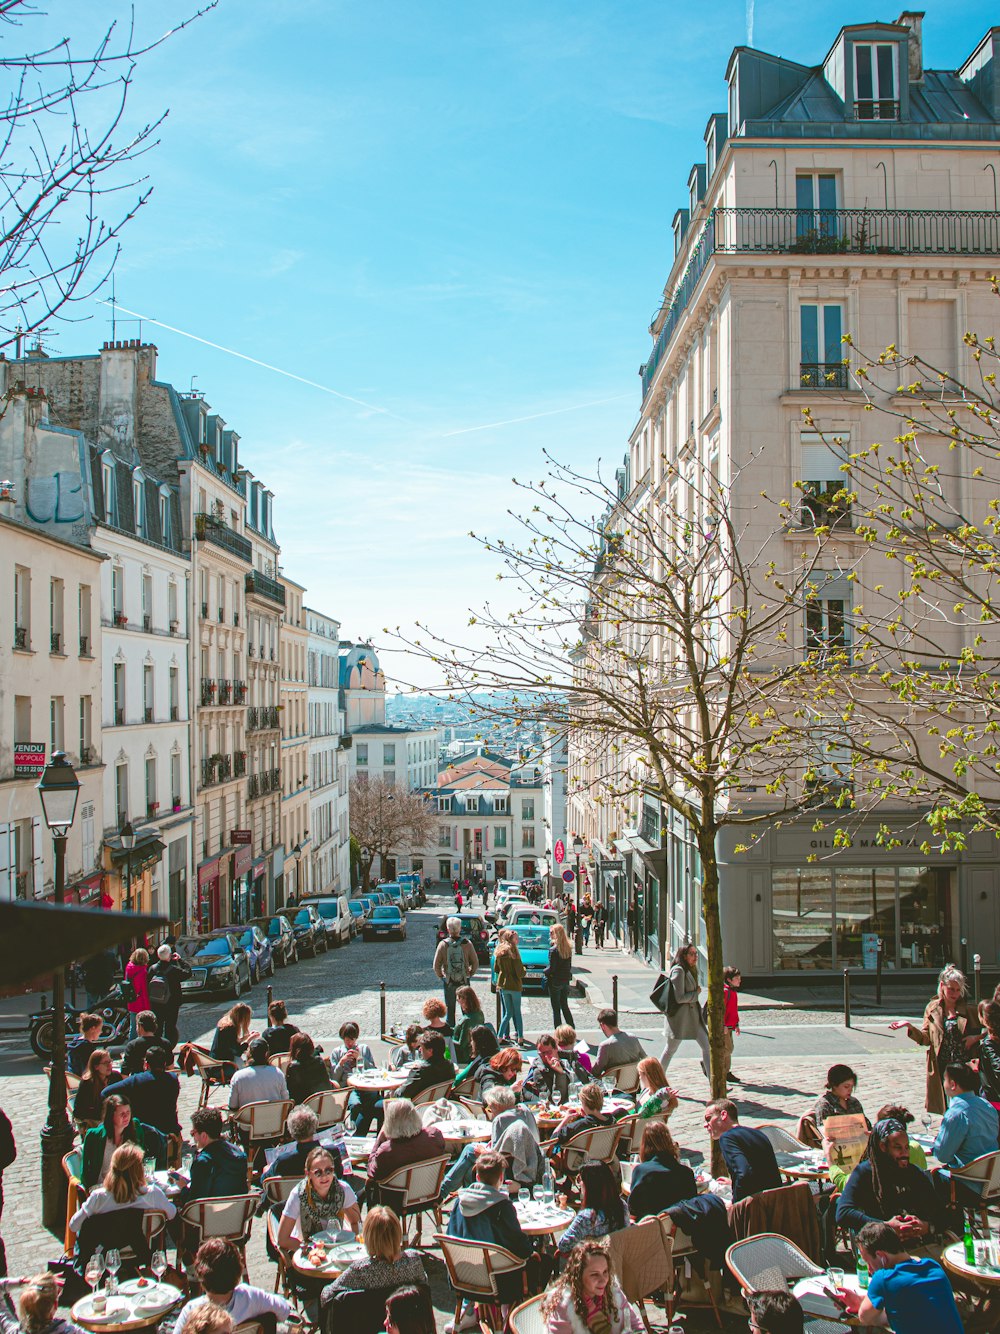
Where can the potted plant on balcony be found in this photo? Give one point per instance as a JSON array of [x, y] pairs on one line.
[[175, 805]]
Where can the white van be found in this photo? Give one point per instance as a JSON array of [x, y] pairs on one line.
[[336, 916]]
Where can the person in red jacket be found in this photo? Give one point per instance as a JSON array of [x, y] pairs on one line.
[[733, 980]]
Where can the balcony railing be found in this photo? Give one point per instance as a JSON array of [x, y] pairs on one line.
[[252, 718], [20, 636], [265, 587], [239, 763], [210, 529], [147, 622], [120, 619], [239, 692], [84, 646], [225, 692], [119, 715], [207, 690], [253, 787], [148, 712], [260, 785], [208, 773], [823, 375], [175, 713], [790, 231], [21, 881], [55, 642], [878, 109], [263, 718]]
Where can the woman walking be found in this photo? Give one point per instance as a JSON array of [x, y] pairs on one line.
[[950, 1032], [559, 975], [510, 978], [686, 1023], [136, 972]]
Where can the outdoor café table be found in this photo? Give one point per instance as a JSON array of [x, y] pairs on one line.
[[466, 1131], [359, 1147], [377, 1081], [809, 1165], [339, 1249], [983, 1276], [815, 1300], [124, 1311], [538, 1219], [547, 1115], [170, 1186]]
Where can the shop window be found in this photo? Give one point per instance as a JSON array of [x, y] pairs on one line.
[[801, 901], [865, 911], [928, 917]]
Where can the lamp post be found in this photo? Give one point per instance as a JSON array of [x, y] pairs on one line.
[[297, 854], [58, 789], [127, 835], [578, 849]]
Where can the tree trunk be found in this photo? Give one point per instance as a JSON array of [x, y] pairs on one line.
[[366, 876], [716, 963]]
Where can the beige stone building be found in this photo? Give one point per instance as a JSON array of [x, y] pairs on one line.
[[855, 195], [295, 834]]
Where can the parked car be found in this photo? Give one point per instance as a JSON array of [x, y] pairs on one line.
[[336, 917], [394, 894], [533, 945], [278, 930], [387, 920], [219, 963], [473, 929], [309, 928], [359, 914], [259, 950], [415, 891], [532, 916]]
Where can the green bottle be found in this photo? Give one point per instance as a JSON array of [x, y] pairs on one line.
[[970, 1245], [862, 1273]]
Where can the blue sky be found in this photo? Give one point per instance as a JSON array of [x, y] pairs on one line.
[[458, 215]]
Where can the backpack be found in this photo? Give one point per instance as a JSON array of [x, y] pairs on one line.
[[159, 989], [455, 970]]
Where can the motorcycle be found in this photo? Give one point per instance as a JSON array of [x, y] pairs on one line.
[[112, 1010]]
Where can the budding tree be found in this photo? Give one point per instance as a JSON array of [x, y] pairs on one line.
[[386, 820]]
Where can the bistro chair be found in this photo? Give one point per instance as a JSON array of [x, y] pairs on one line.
[[281, 1061], [261, 1125], [330, 1106], [984, 1172], [76, 1191], [473, 1269], [428, 1095], [211, 1072], [227, 1216], [276, 1193], [780, 1140], [465, 1088], [768, 1260], [597, 1145], [419, 1189], [626, 1077], [632, 1127], [527, 1318]]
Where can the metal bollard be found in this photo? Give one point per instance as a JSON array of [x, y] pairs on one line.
[[381, 1002], [878, 972], [847, 998], [977, 965], [965, 955], [614, 991], [270, 995]]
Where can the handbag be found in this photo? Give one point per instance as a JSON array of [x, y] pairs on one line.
[[662, 996]]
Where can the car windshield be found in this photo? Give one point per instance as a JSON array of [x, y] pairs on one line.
[[532, 938], [385, 913], [534, 917], [326, 909], [248, 940], [205, 949], [302, 917], [274, 926], [356, 909]]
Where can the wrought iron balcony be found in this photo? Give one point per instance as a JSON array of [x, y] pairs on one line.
[[823, 375], [225, 692], [239, 692], [239, 763], [208, 777], [55, 642], [263, 718], [207, 690], [252, 718], [263, 586], [253, 787], [207, 528], [84, 646], [148, 713], [20, 636], [851, 231]]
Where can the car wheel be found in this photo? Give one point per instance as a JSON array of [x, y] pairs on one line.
[[254, 975], [238, 986], [270, 971]]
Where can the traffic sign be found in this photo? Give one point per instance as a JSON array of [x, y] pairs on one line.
[[569, 876], [559, 851]]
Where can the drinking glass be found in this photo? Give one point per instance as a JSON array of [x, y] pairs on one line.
[[113, 1261], [158, 1264], [523, 1196], [836, 1277], [149, 1167], [925, 1121], [93, 1271]]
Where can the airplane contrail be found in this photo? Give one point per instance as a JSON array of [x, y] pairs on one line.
[[534, 416], [254, 361]]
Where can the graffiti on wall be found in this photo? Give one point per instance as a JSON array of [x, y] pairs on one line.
[[55, 499]]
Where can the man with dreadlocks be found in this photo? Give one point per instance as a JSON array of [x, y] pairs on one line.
[[886, 1187]]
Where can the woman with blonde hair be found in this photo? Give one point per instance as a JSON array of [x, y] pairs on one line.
[[509, 970], [137, 972], [559, 974], [36, 1307], [950, 1032], [387, 1265], [656, 1097], [232, 1037], [317, 1203], [124, 1187], [587, 1298]]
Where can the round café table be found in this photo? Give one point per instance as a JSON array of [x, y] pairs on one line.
[[538, 1219], [815, 1300], [167, 1183], [982, 1275], [123, 1311], [359, 1148], [377, 1081], [457, 1134], [336, 1256], [809, 1165]]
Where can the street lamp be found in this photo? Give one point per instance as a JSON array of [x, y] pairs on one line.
[[59, 790], [297, 854], [127, 835], [579, 848]]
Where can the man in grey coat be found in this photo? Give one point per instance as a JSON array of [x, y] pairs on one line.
[[618, 1047]]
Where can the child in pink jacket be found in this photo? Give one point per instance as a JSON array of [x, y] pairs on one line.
[[136, 971]]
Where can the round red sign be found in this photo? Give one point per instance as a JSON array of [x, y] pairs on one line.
[[559, 851]]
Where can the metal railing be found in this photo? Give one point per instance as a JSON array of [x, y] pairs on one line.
[[21, 884], [239, 763], [207, 528], [207, 690], [239, 692], [55, 642], [84, 646], [225, 691], [20, 636], [263, 718], [148, 711], [823, 375], [265, 587]]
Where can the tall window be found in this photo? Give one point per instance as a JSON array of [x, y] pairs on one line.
[[527, 836], [147, 602], [361, 753], [825, 489], [175, 779], [151, 801], [499, 836], [172, 616], [57, 720], [87, 825], [827, 616], [110, 495], [118, 692], [22, 607], [147, 692], [83, 613], [821, 353], [56, 616], [117, 591], [875, 84], [175, 694], [816, 206], [388, 754], [165, 526], [85, 728], [121, 792], [138, 505], [528, 808]]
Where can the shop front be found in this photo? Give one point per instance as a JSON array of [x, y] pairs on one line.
[[242, 862], [208, 907]]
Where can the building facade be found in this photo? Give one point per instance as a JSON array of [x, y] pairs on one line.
[[329, 820], [852, 196], [295, 792]]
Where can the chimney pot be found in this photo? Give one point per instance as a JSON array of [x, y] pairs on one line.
[[913, 19]]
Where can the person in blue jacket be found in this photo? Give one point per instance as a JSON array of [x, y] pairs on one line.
[[484, 1212], [218, 1167], [969, 1129], [909, 1293], [747, 1153], [886, 1187]]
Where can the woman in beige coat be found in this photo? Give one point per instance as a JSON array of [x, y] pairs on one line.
[[950, 1031]]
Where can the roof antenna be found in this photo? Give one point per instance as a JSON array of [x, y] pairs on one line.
[[112, 308]]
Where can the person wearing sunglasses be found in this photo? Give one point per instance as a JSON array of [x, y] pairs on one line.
[[774, 1311]]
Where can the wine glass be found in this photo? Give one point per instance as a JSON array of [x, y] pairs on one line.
[[158, 1264], [94, 1270], [113, 1262], [925, 1121]]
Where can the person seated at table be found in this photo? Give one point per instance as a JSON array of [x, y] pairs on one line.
[[574, 1054], [912, 1294], [602, 1209], [364, 1105], [839, 1174], [37, 1307], [147, 1035], [307, 1072], [472, 1017], [547, 1076], [259, 1081], [432, 1068], [660, 1180], [485, 1212], [969, 1128], [503, 1069], [387, 1266], [775, 1311], [513, 1132], [218, 1167], [118, 1126], [124, 1187], [318, 1203], [218, 1267], [655, 1096], [279, 1032], [409, 1311], [618, 1047], [434, 1011], [80, 1048], [211, 1320], [483, 1046], [989, 1052], [87, 1105], [885, 1187], [290, 1160], [401, 1141], [747, 1153], [838, 1099], [232, 1037], [407, 1051], [589, 1116], [152, 1094], [587, 1296]]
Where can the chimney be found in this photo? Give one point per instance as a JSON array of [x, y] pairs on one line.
[[913, 19]]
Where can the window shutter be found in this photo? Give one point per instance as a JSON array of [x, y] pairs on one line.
[[7, 883], [38, 856]]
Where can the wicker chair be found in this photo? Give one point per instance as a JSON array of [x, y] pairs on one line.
[[419, 1187], [473, 1269], [768, 1261], [984, 1171], [477, 1110], [261, 1125], [210, 1071], [431, 1094], [330, 1106], [465, 1088], [154, 1229], [527, 1318], [780, 1140], [642, 1257], [632, 1127], [281, 1061], [227, 1216], [76, 1191], [626, 1076], [596, 1145]]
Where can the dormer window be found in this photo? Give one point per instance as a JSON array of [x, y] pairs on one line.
[[110, 493], [138, 506], [876, 82], [165, 530]]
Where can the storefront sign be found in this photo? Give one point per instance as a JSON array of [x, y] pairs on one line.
[[612, 867], [29, 758], [559, 852], [242, 858], [208, 871], [240, 836], [869, 949], [258, 871]]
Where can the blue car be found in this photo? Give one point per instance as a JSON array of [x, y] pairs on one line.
[[259, 951], [533, 945], [385, 922], [218, 964]]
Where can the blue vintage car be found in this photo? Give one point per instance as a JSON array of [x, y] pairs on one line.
[[533, 944]]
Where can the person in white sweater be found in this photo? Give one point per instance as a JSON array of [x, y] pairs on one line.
[[124, 1187], [219, 1270]]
